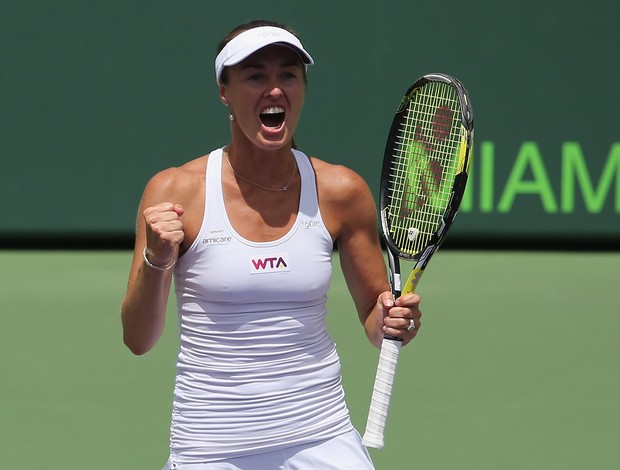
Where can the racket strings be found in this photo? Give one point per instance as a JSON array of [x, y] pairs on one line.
[[424, 165]]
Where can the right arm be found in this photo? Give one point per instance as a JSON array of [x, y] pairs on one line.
[[349, 211], [160, 230]]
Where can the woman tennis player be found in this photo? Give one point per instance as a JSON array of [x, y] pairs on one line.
[[248, 231]]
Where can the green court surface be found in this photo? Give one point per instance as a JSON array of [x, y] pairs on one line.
[[516, 366]]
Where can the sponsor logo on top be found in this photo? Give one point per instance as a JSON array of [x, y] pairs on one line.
[[277, 263], [217, 237]]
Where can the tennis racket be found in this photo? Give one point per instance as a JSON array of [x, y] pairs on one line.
[[422, 183]]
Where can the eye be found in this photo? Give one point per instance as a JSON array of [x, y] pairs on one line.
[[255, 77], [289, 75]]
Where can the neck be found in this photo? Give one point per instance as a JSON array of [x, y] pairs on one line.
[[268, 170]]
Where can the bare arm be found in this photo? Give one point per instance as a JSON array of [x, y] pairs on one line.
[[159, 228], [352, 215]]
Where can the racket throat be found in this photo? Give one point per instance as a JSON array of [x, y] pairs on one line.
[[395, 279]]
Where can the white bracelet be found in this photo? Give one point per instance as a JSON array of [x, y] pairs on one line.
[[152, 266]]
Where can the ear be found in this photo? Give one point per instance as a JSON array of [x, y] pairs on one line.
[[223, 96]]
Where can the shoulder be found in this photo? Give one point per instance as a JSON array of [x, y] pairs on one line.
[[184, 185], [344, 197], [177, 183], [339, 184]]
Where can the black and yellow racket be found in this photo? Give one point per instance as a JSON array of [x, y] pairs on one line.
[[423, 179]]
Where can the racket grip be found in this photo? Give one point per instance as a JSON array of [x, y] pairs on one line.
[[381, 393]]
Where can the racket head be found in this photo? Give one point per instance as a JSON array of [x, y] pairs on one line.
[[425, 165]]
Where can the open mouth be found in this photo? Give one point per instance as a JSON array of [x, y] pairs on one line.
[[272, 117]]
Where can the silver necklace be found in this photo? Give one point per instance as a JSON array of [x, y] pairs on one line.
[[283, 188]]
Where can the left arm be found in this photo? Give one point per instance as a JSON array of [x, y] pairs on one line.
[[350, 213]]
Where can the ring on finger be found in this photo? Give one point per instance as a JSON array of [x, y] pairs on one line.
[[411, 325]]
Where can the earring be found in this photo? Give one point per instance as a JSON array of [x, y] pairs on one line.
[[230, 115]]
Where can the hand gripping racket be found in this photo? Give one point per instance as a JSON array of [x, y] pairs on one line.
[[422, 183]]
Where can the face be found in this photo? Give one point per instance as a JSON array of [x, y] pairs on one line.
[[265, 94]]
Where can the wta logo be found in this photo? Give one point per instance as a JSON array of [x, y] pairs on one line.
[[270, 264]]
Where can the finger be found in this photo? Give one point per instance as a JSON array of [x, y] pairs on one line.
[[163, 218], [402, 322], [408, 300], [401, 328], [164, 229], [178, 208], [167, 230], [160, 207], [154, 216], [386, 300]]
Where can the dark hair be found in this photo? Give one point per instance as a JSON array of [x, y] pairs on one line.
[[245, 27]]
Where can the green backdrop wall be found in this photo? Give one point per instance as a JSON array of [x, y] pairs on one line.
[[99, 95]]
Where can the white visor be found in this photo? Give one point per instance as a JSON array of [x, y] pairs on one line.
[[248, 42]]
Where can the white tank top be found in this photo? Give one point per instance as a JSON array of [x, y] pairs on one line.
[[256, 370]]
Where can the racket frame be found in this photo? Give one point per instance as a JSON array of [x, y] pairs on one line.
[[382, 389]]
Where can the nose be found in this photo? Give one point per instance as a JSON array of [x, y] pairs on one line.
[[273, 88], [274, 91]]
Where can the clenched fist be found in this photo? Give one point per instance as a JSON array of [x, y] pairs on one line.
[[164, 232]]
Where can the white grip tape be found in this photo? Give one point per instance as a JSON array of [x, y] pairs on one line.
[[381, 393]]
